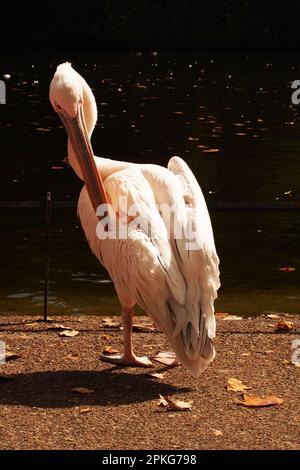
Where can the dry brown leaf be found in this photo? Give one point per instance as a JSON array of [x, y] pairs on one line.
[[84, 411], [232, 317], [284, 325], [253, 401], [165, 357], [236, 385], [221, 315], [9, 356], [156, 375], [69, 333], [217, 432], [246, 354], [73, 357], [110, 323], [169, 404], [58, 326], [106, 337], [83, 390], [273, 316], [297, 364], [108, 350]]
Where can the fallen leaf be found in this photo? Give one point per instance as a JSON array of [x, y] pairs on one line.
[[232, 317], [110, 323], [69, 333], [246, 354], [286, 362], [165, 357], [73, 357], [216, 432], [83, 390], [108, 350], [287, 269], [170, 404], [273, 316], [105, 337], [9, 356], [220, 315], [143, 328], [58, 326], [253, 401], [296, 364], [156, 375], [236, 385], [284, 325], [83, 411]]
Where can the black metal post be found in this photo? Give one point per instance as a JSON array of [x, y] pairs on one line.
[[47, 229]]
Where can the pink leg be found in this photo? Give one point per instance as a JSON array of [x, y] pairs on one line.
[[128, 358]]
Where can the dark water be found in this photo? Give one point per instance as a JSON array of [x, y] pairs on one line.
[[228, 115]]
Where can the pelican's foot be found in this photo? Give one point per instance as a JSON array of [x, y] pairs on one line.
[[168, 358], [129, 361]]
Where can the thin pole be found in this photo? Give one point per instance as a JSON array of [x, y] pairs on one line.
[[47, 229]]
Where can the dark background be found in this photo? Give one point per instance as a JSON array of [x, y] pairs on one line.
[[103, 24]]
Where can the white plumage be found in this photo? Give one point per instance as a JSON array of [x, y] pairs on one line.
[[175, 280]]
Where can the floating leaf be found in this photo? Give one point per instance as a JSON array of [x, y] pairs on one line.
[[284, 325], [236, 385], [287, 269], [170, 404], [57, 168], [69, 333], [253, 401], [83, 390], [211, 150]]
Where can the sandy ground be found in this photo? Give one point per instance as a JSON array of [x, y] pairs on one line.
[[39, 410]]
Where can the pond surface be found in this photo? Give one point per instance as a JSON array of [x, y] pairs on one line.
[[229, 116]]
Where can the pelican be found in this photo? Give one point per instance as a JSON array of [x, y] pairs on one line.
[[173, 278]]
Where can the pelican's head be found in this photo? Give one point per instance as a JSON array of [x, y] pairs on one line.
[[74, 102], [66, 93]]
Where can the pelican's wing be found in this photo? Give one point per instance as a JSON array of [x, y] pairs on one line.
[[200, 265]]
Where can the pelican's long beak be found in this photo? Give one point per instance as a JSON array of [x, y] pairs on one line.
[[80, 141]]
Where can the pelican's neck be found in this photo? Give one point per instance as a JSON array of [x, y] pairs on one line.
[[90, 117]]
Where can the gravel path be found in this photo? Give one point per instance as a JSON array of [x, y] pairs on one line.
[[39, 410]]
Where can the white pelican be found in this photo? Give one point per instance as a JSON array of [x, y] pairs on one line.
[[174, 282]]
